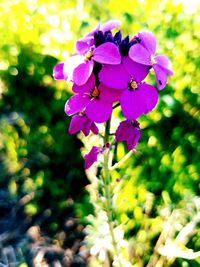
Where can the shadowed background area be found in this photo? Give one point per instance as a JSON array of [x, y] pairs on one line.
[[43, 200]]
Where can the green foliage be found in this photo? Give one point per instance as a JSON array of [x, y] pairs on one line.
[[160, 183]]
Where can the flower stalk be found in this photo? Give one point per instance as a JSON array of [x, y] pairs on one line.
[[107, 189]]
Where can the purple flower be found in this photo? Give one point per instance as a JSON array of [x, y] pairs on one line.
[[92, 156], [78, 68], [95, 101], [83, 45], [137, 98], [82, 123], [144, 53], [107, 53], [128, 131]]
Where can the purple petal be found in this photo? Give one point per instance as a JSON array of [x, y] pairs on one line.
[[76, 103], [85, 87], [148, 40], [138, 102], [82, 123], [70, 64], [76, 124], [83, 45], [82, 73], [58, 72], [93, 31], [110, 25], [99, 111], [137, 71], [132, 104], [94, 128], [91, 157], [107, 53], [129, 132], [165, 63], [108, 94], [161, 76], [140, 54], [115, 77], [86, 126], [133, 139], [150, 95], [123, 130]]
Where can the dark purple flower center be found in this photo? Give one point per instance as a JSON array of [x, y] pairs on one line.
[[101, 38]]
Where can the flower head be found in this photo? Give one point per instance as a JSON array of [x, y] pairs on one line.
[[128, 131], [137, 98], [107, 68], [144, 53], [92, 156], [82, 123], [96, 101]]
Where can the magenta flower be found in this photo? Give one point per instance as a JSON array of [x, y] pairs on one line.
[[92, 156], [137, 98], [107, 53], [83, 45], [95, 101], [82, 123], [78, 68], [128, 131], [144, 53]]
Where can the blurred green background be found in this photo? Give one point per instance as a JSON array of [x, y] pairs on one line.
[[40, 160]]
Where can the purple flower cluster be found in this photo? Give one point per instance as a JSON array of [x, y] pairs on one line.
[[107, 69]]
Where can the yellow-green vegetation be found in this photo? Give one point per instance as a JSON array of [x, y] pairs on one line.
[[157, 200]]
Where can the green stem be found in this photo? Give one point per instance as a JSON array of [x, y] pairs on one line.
[[122, 161], [108, 195]]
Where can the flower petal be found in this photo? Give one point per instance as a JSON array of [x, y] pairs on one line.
[[99, 111], [58, 72], [82, 73], [91, 157], [150, 95], [115, 77], [93, 31], [83, 45], [148, 40], [138, 102], [128, 131], [85, 87], [70, 64], [132, 104], [122, 131], [107, 53], [136, 70], [94, 128], [76, 124], [110, 25], [161, 76], [140, 54], [76, 103], [108, 94], [165, 63]]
